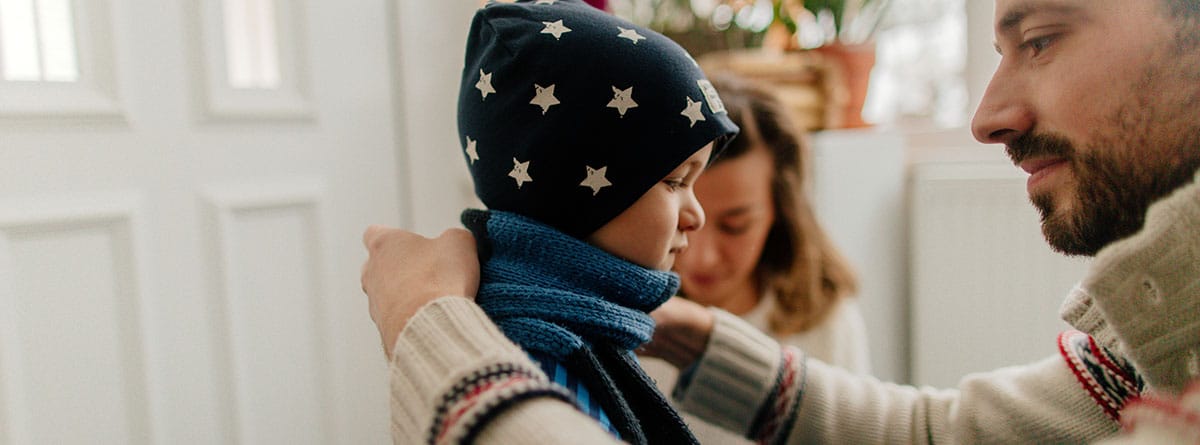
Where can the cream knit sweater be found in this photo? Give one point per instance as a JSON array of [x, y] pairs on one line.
[[454, 375]]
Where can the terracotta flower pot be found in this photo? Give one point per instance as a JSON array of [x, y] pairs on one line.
[[855, 63]]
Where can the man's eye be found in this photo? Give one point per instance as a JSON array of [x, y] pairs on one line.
[[1039, 44]]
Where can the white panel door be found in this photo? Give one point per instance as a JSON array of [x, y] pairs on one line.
[[183, 185]]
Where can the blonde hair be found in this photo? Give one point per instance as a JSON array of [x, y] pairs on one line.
[[799, 264]]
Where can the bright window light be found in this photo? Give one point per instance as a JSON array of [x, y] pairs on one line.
[[251, 49], [37, 41]]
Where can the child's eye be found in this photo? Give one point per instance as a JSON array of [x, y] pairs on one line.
[[673, 183]]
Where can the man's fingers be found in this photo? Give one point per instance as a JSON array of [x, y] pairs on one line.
[[458, 235]]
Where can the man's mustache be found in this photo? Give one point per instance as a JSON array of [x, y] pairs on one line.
[[1030, 145]]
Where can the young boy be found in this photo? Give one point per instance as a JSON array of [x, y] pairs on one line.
[[583, 134]]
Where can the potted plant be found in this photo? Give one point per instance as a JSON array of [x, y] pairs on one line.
[[844, 32], [817, 23], [839, 31]]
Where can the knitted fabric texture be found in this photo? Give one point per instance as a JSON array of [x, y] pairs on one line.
[[1108, 378], [553, 294], [1153, 272], [568, 115], [566, 301]]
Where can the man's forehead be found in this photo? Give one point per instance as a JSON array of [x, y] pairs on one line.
[[1010, 13]]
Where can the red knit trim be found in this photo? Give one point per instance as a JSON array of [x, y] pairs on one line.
[[473, 398], [1163, 412], [483, 393], [1180, 412], [785, 398], [1109, 384]]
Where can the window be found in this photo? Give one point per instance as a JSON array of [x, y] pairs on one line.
[[250, 44], [37, 41], [920, 64], [254, 59]]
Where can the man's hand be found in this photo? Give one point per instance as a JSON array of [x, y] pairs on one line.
[[681, 332], [404, 271]]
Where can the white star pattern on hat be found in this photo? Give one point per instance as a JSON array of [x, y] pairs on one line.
[[595, 179], [520, 172], [557, 29], [622, 100], [485, 84], [692, 111], [630, 34], [472, 153], [544, 97]]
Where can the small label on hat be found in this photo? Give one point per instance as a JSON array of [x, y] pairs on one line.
[[710, 96]]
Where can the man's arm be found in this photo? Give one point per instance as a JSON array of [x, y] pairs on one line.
[[454, 377], [745, 382]]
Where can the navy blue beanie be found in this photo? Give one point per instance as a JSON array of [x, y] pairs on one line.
[[568, 115]]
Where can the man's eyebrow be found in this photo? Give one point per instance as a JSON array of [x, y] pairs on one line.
[[1013, 18]]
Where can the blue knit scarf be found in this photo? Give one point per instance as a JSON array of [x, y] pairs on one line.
[[554, 294], [566, 301]]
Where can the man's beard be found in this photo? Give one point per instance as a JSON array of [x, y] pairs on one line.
[[1150, 147], [1114, 185]]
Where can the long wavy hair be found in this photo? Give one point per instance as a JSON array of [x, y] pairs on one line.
[[799, 263]]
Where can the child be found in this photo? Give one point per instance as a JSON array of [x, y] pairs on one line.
[[583, 134]]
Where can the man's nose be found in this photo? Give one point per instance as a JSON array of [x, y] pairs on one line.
[[1003, 114]]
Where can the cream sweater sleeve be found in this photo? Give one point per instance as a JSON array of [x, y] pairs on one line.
[[1147, 289], [455, 378], [744, 383]]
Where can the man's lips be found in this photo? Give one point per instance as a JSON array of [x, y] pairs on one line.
[[1033, 166], [1040, 168]]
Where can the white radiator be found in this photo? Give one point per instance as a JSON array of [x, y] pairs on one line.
[[984, 286]]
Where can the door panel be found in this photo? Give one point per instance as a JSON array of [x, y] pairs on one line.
[[179, 261]]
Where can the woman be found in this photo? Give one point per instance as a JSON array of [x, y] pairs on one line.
[[762, 254]]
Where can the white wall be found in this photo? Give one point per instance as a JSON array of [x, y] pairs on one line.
[[431, 40], [859, 194], [982, 58]]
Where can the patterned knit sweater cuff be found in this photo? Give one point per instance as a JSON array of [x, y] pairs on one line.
[[734, 377], [452, 337]]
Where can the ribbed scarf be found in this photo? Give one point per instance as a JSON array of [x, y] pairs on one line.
[[557, 296], [552, 293]]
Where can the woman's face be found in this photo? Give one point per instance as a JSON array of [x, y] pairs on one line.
[[718, 266], [652, 231]]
